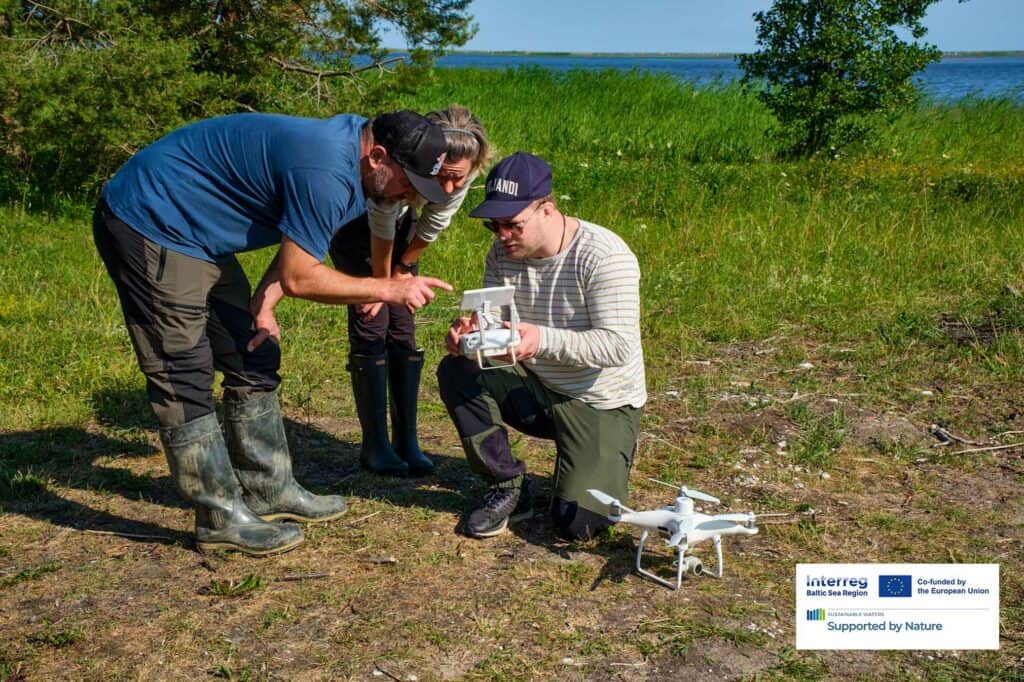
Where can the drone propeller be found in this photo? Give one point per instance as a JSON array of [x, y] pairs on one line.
[[605, 498], [737, 518], [687, 492], [667, 485], [698, 495]]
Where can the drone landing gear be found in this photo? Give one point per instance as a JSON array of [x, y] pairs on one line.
[[683, 563], [717, 540]]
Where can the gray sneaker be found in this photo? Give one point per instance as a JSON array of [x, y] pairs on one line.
[[500, 506]]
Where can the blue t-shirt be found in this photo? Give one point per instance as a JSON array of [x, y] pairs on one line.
[[237, 183]]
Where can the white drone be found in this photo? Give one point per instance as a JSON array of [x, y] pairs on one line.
[[682, 527], [493, 338]]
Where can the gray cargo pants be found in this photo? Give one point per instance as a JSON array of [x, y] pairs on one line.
[[186, 317]]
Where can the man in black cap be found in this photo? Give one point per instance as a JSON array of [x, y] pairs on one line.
[[168, 226], [580, 381]]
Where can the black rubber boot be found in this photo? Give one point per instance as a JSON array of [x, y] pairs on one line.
[[369, 385], [259, 453], [198, 459], [404, 369]]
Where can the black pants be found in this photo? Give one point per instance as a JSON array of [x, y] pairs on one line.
[[394, 327], [186, 317], [594, 447]]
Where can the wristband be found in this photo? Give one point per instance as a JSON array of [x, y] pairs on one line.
[[407, 268]]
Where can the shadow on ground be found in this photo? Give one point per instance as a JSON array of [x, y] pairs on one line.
[[324, 463], [34, 464], [96, 458]]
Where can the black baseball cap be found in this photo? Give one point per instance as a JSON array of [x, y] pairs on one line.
[[514, 183], [417, 145]]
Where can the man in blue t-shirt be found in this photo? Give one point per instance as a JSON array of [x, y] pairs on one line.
[[168, 227]]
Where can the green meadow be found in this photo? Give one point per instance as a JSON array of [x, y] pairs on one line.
[[789, 308], [869, 247]]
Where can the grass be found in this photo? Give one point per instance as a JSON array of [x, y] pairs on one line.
[[234, 588], [30, 574], [55, 637], [838, 307]]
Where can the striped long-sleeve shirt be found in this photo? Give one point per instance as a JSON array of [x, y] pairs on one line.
[[586, 302]]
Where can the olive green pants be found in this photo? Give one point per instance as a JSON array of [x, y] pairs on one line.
[[594, 447]]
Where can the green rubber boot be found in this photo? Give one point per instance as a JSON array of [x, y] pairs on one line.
[[198, 459], [259, 453], [404, 370], [369, 385]]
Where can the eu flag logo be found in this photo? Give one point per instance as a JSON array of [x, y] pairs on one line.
[[894, 586]]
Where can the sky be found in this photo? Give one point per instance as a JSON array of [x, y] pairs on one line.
[[699, 25]]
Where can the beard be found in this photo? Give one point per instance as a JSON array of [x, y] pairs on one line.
[[379, 180]]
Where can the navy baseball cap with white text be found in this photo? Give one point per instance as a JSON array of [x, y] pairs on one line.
[[417, 145], [514, 183]]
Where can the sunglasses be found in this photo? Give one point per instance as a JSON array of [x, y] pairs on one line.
[[517, 226]]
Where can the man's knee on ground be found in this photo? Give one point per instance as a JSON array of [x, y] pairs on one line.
[[573, 522]]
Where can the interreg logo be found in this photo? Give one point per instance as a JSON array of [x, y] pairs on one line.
[[894, 585], [815, 614], [831, 586]]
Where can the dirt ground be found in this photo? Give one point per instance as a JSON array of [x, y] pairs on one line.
[[99, 579]]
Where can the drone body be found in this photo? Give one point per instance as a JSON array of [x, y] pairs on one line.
[[682, 527]]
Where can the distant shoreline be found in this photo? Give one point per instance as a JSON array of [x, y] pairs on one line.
[[683, 55], [526, 53], [992, 53]]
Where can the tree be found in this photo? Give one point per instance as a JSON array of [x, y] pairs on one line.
[[86, 83], [826, 68]]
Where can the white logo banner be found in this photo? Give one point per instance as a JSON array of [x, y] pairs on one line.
[[897, 606]]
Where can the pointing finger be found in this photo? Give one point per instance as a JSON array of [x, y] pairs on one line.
[[436, 283]]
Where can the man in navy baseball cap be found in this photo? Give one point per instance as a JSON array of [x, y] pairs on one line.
[[577, 375]]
